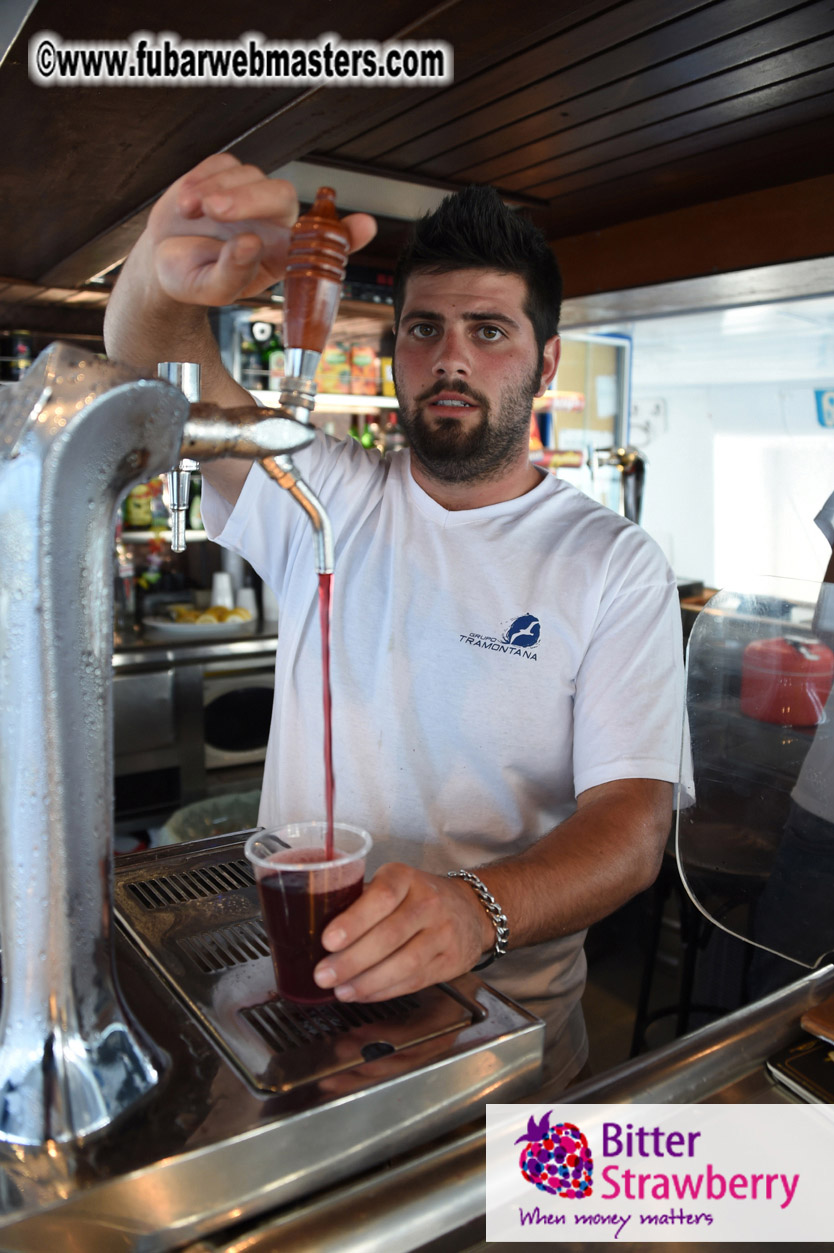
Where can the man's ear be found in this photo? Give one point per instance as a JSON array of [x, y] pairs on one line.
[[550, 361]]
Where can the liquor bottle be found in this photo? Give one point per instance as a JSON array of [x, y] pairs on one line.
[[250, 364], [160, 514], [386, 365], [267, 341], [15, 355], [277, 368], [393, 435], [195, 516], [124, 597], [136, 512]]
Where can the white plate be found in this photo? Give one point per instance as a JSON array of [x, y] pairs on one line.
[[197, 630]]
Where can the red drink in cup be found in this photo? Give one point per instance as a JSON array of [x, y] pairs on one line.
[[300, 892]]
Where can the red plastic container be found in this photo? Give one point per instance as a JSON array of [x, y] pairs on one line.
[[786, 681]]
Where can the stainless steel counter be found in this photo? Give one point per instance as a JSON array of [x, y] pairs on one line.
[[437, 1193]]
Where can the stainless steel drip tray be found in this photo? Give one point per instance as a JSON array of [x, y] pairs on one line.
[[193, 910], [260, 1103]]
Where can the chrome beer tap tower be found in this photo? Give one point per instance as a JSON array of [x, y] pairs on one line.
[[75, 434]]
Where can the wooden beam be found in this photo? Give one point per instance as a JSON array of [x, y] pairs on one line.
[[58, 321], [768, 284], [780, 224]]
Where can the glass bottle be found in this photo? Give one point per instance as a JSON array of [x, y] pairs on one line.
[[195, 515]]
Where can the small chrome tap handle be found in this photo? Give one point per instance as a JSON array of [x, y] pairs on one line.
[[186, 376]]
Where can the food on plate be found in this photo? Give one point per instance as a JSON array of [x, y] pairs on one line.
[[219, 613], [183, 615]]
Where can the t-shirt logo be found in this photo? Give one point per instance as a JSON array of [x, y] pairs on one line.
[[519, 639], [524, 632]]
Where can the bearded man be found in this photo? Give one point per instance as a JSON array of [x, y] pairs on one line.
[[506, 653]]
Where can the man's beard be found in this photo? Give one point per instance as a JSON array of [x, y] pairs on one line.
[[456, 452]]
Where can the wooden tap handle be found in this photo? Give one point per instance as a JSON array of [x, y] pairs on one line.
[[316, 263]]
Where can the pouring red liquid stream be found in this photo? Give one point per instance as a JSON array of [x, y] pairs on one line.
[[325, 585]]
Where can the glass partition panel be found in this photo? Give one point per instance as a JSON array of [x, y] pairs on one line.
[[756, 849], [584, 420]]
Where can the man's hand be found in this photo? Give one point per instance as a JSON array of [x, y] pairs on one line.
[[408, 930], [221, 232], [218, 234]]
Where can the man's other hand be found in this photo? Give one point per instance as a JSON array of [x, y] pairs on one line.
[[407, 931]]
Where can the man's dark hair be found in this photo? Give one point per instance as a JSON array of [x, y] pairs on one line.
[[474, 229]]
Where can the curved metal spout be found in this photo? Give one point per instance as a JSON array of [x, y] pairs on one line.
[[285, 474], [631, 465]]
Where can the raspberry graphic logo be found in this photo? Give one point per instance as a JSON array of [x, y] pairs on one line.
[[557, 1158]]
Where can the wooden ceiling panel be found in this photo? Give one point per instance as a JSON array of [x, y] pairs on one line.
[[702, 129], [771, 160], [595, 112], [78, 159], [689, 141], [639, 70], [492, 159], [478, 45], [581, 44]]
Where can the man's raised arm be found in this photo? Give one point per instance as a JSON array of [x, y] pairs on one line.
[[217, 235]]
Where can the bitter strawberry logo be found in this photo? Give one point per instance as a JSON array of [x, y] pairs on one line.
[[557, 1159]]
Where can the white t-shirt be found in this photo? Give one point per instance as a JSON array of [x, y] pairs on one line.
[[487, 666]]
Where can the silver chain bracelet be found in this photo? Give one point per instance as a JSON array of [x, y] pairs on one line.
[[496, 914]]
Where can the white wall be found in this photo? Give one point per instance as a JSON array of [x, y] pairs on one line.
[[723, 405], [678, 498], [735, 475]]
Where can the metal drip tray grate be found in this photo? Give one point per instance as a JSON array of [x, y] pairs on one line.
[[194, 912], [194, 885], [217, 950], [286, 1026]]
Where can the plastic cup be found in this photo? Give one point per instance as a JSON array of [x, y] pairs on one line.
[[300, 892], [246, 599], [222, 590]]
